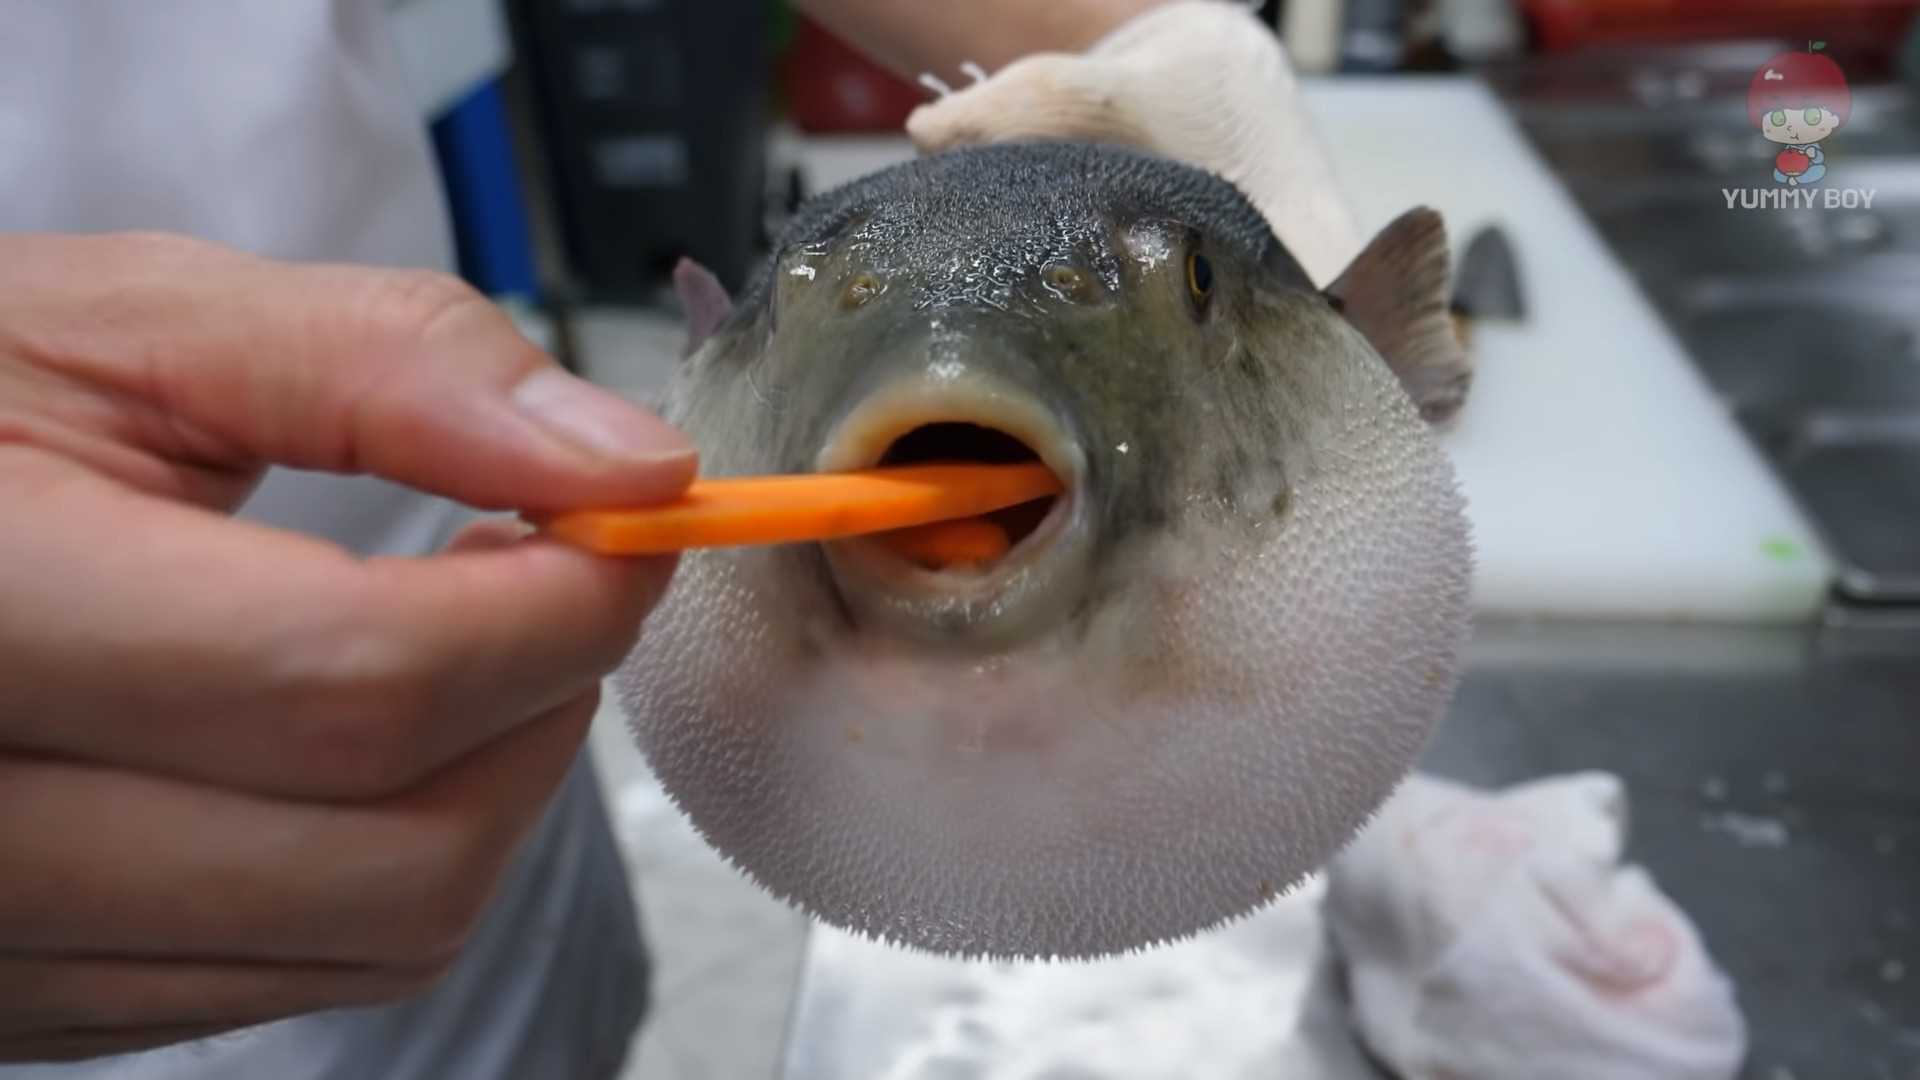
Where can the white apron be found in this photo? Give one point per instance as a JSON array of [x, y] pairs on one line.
[[287, 128]]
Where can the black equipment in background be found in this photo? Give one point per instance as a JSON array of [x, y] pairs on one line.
[[653, 125]]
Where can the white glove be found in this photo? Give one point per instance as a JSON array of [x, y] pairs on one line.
[[1497, 935], [1199, 81]]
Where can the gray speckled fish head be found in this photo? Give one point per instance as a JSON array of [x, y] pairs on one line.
[[1194, 674]]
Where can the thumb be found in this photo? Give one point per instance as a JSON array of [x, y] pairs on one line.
[[229, 361]]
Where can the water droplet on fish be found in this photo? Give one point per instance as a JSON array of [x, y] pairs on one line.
[[802, 271], [1150, 246], [1122, 448]]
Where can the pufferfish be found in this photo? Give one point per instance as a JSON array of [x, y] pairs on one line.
[[1190, 677]]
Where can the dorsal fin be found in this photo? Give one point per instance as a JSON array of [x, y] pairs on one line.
[[704, 300], [1396, 293]]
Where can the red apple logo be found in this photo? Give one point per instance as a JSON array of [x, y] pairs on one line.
[[1792, 162]]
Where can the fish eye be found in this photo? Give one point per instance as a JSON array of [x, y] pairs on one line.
[[1199, 278], [1813, 115], [1779, 117]]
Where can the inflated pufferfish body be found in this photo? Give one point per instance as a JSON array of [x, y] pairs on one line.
[[1193, 676]]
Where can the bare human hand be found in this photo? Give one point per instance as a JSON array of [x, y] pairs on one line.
[[243, 774]]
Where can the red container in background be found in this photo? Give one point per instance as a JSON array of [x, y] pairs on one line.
[[1853, 25], [832, 89]]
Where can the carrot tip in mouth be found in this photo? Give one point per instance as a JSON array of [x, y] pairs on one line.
[[963, 543]]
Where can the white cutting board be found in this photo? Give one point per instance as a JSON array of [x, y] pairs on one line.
[[1603, 478]]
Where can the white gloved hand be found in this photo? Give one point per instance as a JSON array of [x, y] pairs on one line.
[[1498, 935], [1199, 81]]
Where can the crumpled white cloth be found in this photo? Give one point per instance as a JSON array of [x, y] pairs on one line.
[[1496, 934]]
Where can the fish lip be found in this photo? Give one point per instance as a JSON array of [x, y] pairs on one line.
[[865, 434], [969, 598]]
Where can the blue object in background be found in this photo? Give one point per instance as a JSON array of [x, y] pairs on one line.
[[474, 142]]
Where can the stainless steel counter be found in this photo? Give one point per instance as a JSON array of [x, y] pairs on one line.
[[1775, 786]]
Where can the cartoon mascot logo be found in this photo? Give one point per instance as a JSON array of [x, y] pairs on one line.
[[1799, 98]]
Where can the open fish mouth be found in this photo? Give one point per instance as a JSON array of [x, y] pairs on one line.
[[973, 562]]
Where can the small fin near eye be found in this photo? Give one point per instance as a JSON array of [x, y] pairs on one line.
[[1396, 293], [704, 299]]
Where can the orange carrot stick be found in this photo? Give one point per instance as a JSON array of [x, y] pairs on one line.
[[793, 509]]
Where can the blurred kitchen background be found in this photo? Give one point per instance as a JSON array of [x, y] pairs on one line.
[[1692, 460]]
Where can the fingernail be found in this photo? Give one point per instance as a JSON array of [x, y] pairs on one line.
[[585, 415]]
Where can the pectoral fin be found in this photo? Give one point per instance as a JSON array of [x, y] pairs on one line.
[[703, 298], [1396, 293]]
